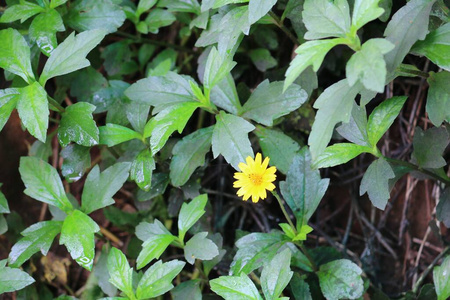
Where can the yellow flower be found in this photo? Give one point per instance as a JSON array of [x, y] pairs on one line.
[[255, 178]]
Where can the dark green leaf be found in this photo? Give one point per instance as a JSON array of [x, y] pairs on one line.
[[258, 9], [235, 287], [187, 290], [13, 279], [70, 55], [368, 66], [440, 278], [22, 12], [161, 92], [8, 101], [262, 59], [436, 46], [409, 24], [225, 96], [100, 187], [429, 146], [37, 237], [43, 30], [4, 208], [76, 160], [356, 129], [199, 247], [102, 274], [190, 213], [365, 11], [157, 280], [339, 154], [438, 101], [80, 246], [173, 118], [443, 208], [310, 53], [121, 275], [268, 102], [189, 154], [33, 110], [113, 134], [119, 59], [100, 14], [324, 18], [303, 188], [42, 183], [279, 147], [141, 169], [300, 288], [230, 138], [376, 183], [341, 279], [382, 118], [77, 125], [158, 187], [276, 275], [335, 105]]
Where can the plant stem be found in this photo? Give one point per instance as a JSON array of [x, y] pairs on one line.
[[286, 215], [280, 25], [56, 106], [425, 273], [445, 180], [414, 72], [308, 256]]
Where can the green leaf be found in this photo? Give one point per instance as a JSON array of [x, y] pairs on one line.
[[100, 187], [190, 213], [216, 68], [268, 102], [4, 208], [113, 134], [279, 147], [340, 279], [436, 46], [335, 105], [409, 24], [230, 138], [438, 100], [141, 169], [324, 18], [199, 247], [70, 55], [56, 3], [143, 6], [158, 18], [225, 96], [8, 101], [43, 30], [3, 224], [80, 246], [365, 11], [77, 160], [262, 59], [100, 14], [382, 118], [78, 125], [181, 5], [300, 288], [339, 154], [13, 279], [172, 118], [443, 208], [153, 247], [15, 54], [187, 290], [37, 237], [258, 9], [429, 146], [157, 280], [121, 275], [158, 187], [42, 183], [276, 275], [161, 91], [145, 230], [22, 12], [356, 129], [440, 278], [235, 287], [368, 65], [303, 188], [310, 53], [189, 154], [32, 106], [102, 274], [376, 183]]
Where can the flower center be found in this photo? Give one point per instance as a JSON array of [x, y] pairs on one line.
[[256, 179]]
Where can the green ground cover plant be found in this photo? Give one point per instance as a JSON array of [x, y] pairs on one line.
[[150, 122]]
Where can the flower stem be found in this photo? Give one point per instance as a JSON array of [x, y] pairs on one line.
[[286, 215]]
